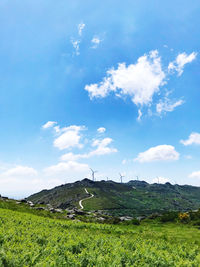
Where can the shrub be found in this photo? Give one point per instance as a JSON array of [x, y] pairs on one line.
[[196, 223], [184, 217], [135, 222], [132, 222], [169, 216], [194, 215]]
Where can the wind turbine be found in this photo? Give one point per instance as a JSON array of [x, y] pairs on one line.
[[121, 176], [93, 172]]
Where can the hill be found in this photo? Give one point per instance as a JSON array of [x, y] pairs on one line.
[[35, 235], [29, 240], [134, 198]]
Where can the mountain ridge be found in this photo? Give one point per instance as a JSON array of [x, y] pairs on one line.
[[131, 198]]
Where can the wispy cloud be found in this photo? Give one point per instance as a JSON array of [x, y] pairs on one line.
[[194, 138], [81, 26], [49, 124], [168, 105], [180, 61], [101, 130], [76, 46], [95, 42]]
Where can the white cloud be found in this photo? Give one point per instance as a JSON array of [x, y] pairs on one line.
[[194, 138], [76, 46], [139, 115], [195, 175], [64, 167], [70, 157], [167, 105], [20, 171], [158, 153], [57, 129], [19, 187], [95, 42], [160, 180], [140, 81], [49, 124], [180, 61], [102, 149], [20, 181], [101, 130], [81, 26], [69, 138]]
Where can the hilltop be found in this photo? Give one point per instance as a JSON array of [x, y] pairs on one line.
[[135, 198]]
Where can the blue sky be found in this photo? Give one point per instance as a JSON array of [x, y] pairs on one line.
[[109, 85]]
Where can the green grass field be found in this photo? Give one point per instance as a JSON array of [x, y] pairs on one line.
[[30, 240]]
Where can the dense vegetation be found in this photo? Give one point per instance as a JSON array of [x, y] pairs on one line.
[[134, 198], [30, 240]]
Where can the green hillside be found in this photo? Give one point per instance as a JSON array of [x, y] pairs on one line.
[[30, 240], [134, 198]]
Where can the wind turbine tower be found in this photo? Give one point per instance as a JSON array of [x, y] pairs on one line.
[[121, 177], [93, 172]]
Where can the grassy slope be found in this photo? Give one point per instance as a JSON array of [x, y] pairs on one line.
[[24, 208], [135, 198], [29, 240]]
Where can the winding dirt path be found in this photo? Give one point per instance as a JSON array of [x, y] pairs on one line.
[[80, 202]]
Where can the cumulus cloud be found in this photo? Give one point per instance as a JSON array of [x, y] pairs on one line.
[[65, 167], [139, 81], [194, 138], [20, 171], [101, 130], [20, 186], [70, 137], [20, 181], [70, 157], [180, 61], [195, 175], [102, 149], [49, 124], [158, 153], [168, 105], [160, 180], [81, 26], [95, 42]]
